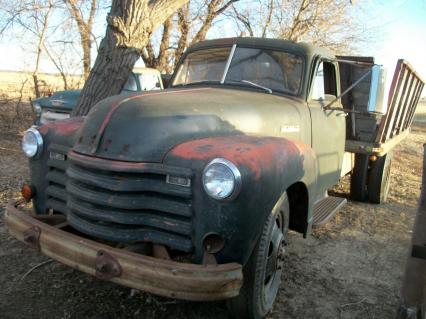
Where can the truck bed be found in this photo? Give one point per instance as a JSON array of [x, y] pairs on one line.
[[372, 133]]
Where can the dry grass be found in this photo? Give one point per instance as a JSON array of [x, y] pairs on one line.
[[12, 82]]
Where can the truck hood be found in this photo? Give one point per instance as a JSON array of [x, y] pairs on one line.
[[144, 127]]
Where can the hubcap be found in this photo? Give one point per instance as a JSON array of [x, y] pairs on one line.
[[274, 264]]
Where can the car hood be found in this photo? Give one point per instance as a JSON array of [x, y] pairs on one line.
[[62, 101], [144, 127]]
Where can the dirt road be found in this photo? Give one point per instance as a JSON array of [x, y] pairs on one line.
[[351, 268]]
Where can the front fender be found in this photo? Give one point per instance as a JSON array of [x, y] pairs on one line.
[[268, 166]]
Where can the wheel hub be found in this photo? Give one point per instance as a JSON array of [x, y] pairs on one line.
[[281, 255]]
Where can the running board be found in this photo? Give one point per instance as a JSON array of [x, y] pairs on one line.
[[327, 208]]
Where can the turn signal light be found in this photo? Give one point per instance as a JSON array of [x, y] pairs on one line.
[[27, 192]]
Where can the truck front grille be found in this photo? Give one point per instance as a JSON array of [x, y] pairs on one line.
[[56, 178], [129, 202]]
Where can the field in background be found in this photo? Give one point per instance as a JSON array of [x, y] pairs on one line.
[[421, 111], [17, 91], [13, 83]]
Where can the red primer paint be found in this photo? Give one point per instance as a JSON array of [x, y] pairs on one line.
[[256, 153], [63, 127]]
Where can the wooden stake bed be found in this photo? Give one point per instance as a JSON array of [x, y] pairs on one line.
[[394, 126]]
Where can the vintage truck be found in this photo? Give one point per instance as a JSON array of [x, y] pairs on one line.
[[60, 104], [190, 192]]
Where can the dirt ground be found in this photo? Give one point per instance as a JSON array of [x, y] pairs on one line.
[[350, 268]]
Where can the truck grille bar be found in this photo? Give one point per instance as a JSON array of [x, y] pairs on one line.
[[56, 178], [122, 201]]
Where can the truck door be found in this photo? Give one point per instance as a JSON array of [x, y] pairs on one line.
[[328, 127]]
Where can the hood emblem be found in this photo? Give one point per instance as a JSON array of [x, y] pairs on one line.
[[290, 128]]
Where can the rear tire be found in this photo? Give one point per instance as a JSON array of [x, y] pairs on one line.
[[359, 178], [379, 179], [262, 273]]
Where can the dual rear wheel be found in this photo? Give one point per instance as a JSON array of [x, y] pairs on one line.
[[370, 180]]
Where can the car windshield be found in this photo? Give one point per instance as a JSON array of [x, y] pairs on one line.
[[265, 69]]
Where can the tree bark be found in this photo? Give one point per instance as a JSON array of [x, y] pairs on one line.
[[40, 47], [159, 62], [85, 31], [130, 24], [183, 27]]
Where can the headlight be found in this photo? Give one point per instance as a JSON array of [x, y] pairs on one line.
[[221, 179], [32, 143]]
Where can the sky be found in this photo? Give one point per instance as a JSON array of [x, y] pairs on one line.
[[402, 34], [398, 28]]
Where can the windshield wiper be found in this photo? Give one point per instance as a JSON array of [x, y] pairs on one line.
[[252, 84], [258, 86]]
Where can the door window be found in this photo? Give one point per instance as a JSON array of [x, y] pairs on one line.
[[325, 81]]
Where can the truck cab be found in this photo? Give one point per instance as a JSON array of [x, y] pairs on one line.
[[190, 192]]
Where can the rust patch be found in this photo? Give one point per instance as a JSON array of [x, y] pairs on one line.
[[112, 164], [32, 236], [154, 275], [106, 266], [64, 127], [256, 153]]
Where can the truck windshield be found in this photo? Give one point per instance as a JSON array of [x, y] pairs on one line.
[[203, 66], [270, 70]]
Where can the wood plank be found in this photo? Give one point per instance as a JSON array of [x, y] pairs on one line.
[[404, 105], [410, 121], [413, 105], [392, 92], [375, 148], [410, 105], [401, 86]]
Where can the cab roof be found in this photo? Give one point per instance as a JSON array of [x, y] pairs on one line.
[[300, 48]]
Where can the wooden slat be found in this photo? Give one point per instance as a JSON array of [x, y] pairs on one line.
[[392, 109], [392, 92], [404, 95], [404, 105], [402, 125], [410, 120]]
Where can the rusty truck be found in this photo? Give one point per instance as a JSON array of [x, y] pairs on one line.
[[190, 192]]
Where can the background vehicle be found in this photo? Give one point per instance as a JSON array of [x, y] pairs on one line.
[[189, 193], [59, 105]]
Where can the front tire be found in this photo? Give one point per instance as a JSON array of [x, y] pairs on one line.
[[262, 273]]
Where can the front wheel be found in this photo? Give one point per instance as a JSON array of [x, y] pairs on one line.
[[262, 273]]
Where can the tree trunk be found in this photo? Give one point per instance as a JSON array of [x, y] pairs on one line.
[[86, 44], [130, 24], [40, 46], [85, 31], [183, 26]]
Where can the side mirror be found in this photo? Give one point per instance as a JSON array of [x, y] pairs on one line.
[[377, 101]]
